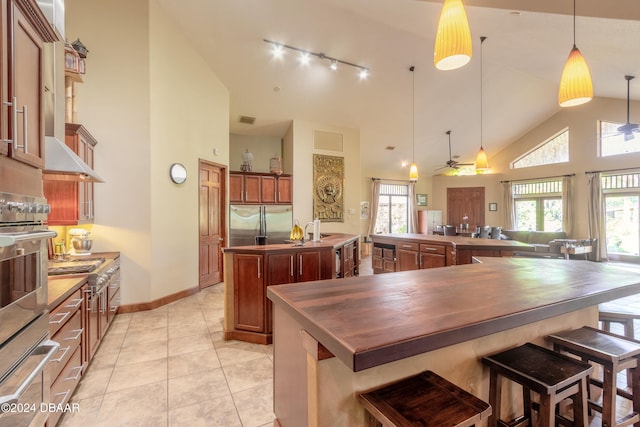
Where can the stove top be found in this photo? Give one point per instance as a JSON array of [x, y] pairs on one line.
[[74, 266]]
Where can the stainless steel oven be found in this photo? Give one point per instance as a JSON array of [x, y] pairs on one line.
[[24, 327]]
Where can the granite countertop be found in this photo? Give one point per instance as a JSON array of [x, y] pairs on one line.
[[60, 287], [331, 240], [368, 321]]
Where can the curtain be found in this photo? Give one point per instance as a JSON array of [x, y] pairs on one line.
[[412, 218], [509, 206], [375, 200], [596, 211], [567, 204]]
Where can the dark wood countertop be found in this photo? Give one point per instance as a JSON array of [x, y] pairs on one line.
[[455, 241], [332, 240], [60, 287], [372, 320]]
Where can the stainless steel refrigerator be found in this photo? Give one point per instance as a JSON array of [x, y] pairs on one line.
[[259, 224]]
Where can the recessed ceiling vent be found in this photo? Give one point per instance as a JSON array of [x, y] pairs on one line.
[[390, 147], [247, 120]]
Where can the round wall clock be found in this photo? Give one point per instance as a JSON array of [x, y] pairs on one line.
[[178, 173]]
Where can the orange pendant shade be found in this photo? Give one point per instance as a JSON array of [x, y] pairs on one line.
[[575, 85], [453, 38]]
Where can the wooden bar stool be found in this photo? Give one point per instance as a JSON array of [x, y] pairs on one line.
[[614, 353], [553, 376], [612, 313], [426, 400]]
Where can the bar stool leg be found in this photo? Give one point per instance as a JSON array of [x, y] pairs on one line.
[[526, 403], [580, 415], [634, 374], [547, 411], [495, 397], [609, 393]]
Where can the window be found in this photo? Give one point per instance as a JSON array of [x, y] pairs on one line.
[[613, 142], [553, 150], [538, 205], [622, 222], [393, 209]]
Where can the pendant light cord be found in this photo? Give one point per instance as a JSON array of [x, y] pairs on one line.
[[574, 23], [482, 39], [413, 121]]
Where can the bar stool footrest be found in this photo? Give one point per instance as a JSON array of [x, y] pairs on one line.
[[521, 421], [622, 393]]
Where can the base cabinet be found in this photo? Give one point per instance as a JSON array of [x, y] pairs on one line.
[[249, 293]]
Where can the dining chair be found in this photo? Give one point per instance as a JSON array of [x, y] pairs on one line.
[[450, 230], [485, 231]]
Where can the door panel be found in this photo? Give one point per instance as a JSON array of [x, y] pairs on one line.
[[211, 223], [467, 201]]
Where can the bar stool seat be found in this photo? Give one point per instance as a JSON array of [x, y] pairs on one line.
[[612, 313], [615, 353], [553, 376], [426, 400]]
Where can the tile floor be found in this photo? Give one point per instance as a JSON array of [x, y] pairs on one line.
[[171, 367]]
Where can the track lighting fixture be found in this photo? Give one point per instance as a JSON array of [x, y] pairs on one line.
[[305, 57]]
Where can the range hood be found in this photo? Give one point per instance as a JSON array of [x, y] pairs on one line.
[[62, 164]]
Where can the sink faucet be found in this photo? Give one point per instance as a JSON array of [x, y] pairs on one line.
[[304, 236]]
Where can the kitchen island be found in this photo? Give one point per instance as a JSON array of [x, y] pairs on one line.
[[402, 252], [249, 270], [337, 338]]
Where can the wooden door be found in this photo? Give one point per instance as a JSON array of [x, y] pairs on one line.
[[211, 205], [465, 201], [407, 260], [308, 266], [248, 287]]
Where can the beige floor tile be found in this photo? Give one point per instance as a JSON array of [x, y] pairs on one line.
[[142, 353], [105, 358], [190, 344], [139, 406], [249, 374], [191, 363], [231, 352], [214, 412], [87, 414], [137, 337], [187, 328], [137, 374], [200, 387], [94, 383], [113, 340], [255, 405]]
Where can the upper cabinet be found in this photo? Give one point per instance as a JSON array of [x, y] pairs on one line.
[[24, 32], [253, 188], [72, 202]]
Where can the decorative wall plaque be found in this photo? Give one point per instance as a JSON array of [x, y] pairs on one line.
[[328, 184]]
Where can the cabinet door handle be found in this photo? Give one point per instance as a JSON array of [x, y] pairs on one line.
[[416, 258], [259, 268], [300, 259], [25, 129], [291, 263]]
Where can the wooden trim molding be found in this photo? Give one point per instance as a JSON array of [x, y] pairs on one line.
[[31, 9], [132, 308]]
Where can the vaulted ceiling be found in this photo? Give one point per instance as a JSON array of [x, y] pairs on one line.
[[523, 58]]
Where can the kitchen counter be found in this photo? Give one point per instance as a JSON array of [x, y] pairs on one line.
[[359, 333], [333, 240], [250, 270], [60, 287]]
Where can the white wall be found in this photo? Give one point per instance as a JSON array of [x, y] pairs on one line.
[[149, 100], [303, 187], [583, 156], [263, 149]]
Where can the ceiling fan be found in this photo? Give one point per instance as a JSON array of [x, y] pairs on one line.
[[628, 128], [453, 164]]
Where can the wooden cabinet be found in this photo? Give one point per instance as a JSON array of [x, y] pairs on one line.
[[349, 260], [407, 257], [72, 202], [66, 326], [249, 187], [432, 256], [249, 293], [383, 259], [24, 32]]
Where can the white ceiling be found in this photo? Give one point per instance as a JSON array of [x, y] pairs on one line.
[[523, 58]]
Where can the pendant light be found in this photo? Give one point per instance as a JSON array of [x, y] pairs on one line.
[[453, 38], [481, 159], [575, 85], [413, 170]]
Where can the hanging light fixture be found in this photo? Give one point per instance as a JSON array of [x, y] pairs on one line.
[[482, 164], [453, 38], [413, 170], [575, 85]]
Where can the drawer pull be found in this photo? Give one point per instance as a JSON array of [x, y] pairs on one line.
[[62, 316], [63, 394], [79, 333], [430, 249], [64, 353], [114, 308], [407, 246], [75, 303], [78, 373]]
